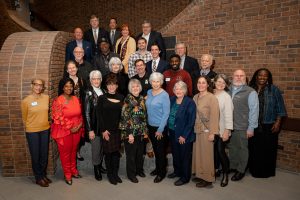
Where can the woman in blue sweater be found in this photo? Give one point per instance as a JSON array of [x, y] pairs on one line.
[[181, 132], [158, 109]]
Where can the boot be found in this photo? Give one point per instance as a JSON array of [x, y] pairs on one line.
[[224, 180], [116, 165], [97, 172]]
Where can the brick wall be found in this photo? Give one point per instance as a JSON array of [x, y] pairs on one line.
[[249, 34], [24, 56], [65, 15]]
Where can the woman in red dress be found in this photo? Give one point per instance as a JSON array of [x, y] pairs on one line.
[[67, 129]]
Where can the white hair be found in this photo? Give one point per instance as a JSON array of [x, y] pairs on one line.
[[182, 85], [132, 82], [95, 73], [156, 76], [115, 61]]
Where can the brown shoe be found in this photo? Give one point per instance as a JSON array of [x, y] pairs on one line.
[[203, 184], [48, 180], [42, 183]]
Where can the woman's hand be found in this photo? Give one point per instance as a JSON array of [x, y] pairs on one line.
[[181, 140], [106, 135], [91, 135], [158, 135], [76, 128], [211, 137], [130, 139], [225, 135]]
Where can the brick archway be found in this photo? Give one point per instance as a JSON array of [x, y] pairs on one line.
[[26, 55]]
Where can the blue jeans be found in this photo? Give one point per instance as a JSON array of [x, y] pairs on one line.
[[38, 143]]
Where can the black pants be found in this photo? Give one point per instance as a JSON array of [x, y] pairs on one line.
[[159, 151], [38, 143], [112, 162], [182, 157], [220, 154], [134, 156]]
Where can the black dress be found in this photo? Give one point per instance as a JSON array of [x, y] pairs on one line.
[[109, 114]]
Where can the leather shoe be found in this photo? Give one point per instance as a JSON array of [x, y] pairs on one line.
[[197, 180], [153, 173], [179, 183], [237, 176], [172, 175], [69, 182], [218, 173], [158, 179], [42, 183], [141, 174], [203, 184], [118, 179], [112, 180], [76, 176], [46, 179], [134, 180], [224, 181]]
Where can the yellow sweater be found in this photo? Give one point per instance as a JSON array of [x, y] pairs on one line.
[[35, 113]]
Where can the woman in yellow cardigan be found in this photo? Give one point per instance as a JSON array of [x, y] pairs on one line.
[[125, 46]]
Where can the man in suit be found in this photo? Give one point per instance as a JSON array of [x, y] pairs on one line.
[[94, 34], [78, 42], [206, 64], [189, 64], [153, 37], [114, 34], [156, 64], [101, 61]]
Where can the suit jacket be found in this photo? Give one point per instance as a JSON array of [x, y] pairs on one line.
[[87, 47], [113, 43], [89, 36], [161, 67], [156, 37], [192, 67], [99, 63], [185, 118]]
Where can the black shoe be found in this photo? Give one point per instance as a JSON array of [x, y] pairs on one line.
[[172, 175], [179, 183], [118, 179], [69, 182], [79, 157], [232, 171], [237, 176], [141, 174], [158, 179], [134, 180], [218, 173], [112, 180], [197, 180], [204, 184], [224, 180], [76, 176], [153, 173], [97, 173], [103, 170]]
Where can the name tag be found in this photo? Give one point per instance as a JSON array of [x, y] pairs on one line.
[[168, 79], [34, 103]]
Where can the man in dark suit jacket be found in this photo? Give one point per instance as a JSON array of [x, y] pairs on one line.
[[189, 64], [114, 33], [206, 66], [94, 34], [87, 47], [152, 37], [156, 64]]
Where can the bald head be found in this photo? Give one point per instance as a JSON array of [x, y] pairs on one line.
[[78, 34], [239, 77]]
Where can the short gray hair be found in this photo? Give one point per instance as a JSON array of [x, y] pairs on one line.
[[180, 43], [182, 86], [115, 61], [211, 58], [95, 73], [156, 76], [132, 82]]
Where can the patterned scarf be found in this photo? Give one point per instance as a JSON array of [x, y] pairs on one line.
[[124, 49]]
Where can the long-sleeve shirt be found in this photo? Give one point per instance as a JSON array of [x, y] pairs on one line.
[[158, 109], [137, 55]]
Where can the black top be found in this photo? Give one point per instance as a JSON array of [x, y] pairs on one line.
[[144, 82], [123, 81], [108, 112]]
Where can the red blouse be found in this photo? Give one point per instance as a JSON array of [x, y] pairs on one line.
[[65, 115]]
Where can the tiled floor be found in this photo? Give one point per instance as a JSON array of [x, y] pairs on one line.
[[285, 186]]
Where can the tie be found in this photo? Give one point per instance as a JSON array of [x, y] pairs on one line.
[[95, 36], [154, 66], [112, 36]]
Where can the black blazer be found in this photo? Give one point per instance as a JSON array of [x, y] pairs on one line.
[[192, 67], [161, 67], [87, 47], [88, 35], [113, 43], [99, 63], [155, 37]]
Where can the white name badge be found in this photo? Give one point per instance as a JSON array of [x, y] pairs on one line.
[[168, 79], [34, 103]]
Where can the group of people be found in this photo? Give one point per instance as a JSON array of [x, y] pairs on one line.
[[112, 93]]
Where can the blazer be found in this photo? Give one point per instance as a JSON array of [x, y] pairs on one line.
[[87, 47], [113, 43], [185, 118], [99, 63], [161, 67], [192, 67], [155, 37], [131, 47], [89, 36]]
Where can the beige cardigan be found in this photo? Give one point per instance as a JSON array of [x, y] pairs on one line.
[[131, 48], [226, 112]]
